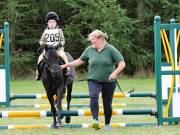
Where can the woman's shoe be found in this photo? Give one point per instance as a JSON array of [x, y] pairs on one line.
[[95, 125], [107, 127]]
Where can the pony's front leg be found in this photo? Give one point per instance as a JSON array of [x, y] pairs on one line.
[[59, 109], [53, 109]]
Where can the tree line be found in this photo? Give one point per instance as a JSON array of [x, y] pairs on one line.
[[128, 23]]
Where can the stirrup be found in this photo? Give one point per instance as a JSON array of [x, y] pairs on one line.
[[68, 73]]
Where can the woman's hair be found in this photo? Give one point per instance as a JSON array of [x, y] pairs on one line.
[[97, 34]]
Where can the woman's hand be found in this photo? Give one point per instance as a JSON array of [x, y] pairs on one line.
[[112, 76], [63, 66], [74, 63], [120, 67]]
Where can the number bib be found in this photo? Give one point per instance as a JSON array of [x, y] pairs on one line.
[[52, 37]]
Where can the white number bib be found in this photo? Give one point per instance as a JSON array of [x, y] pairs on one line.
[[52, 37]]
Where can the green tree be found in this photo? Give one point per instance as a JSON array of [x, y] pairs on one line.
[[111, 18], [21, 16], [129, 25]]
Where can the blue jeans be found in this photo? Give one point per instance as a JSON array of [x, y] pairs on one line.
[[107, 89]]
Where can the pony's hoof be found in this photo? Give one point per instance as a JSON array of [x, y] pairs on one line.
[[60, 124], [68, 119], [53, 126], [62, 117]]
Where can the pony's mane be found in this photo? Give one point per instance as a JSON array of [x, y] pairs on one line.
[[52, 54]]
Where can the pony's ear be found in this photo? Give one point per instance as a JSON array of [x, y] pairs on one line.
[[56, 47], [46, 48], [44, 57]]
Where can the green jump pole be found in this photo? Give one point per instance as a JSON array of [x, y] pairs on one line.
[[158, 77], [82, 95], [7, 63], [5, 67]]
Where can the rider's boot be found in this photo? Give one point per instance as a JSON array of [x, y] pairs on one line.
[[38, 76]]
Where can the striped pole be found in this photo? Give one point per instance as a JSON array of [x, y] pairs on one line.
[[77, 105], [25, 126], [37, 106], [83, 95], [86, 125], [8, 114], [71, 105]]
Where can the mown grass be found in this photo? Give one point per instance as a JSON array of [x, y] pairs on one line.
[[139, 84]]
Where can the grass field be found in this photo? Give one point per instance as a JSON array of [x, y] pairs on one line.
[[139, 84]]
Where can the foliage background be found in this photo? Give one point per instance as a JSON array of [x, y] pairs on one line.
[[128, 23]]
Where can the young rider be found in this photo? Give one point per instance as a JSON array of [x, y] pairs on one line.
[[53, 36]]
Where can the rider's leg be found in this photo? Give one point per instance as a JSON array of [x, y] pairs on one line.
[[38, 76]]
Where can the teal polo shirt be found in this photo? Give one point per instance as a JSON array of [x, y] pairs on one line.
[[101, 64]]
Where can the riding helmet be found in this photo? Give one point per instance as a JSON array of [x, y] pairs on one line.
[[51, 16]]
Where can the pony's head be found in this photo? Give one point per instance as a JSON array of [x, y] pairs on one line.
[[52, 60]]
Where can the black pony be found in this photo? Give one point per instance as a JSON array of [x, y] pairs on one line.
[[55, 83]]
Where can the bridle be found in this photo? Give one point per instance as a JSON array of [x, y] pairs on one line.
[[54, 68]]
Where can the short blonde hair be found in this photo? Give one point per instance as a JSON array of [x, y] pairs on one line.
[[98, 34]]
